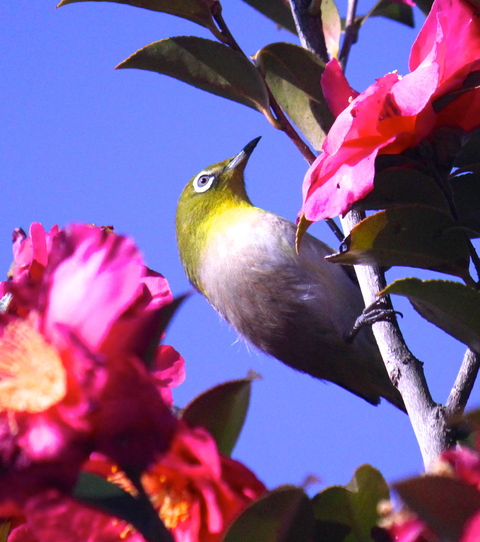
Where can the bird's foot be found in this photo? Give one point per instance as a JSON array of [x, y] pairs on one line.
[[378, 311]]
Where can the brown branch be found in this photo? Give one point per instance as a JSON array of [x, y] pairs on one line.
[[283, 123], [462, 388]]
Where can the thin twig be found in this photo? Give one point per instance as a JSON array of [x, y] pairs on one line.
[[285, 124], [350, 33], [457, 400]]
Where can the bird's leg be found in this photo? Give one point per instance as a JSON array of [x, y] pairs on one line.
[[376, 312]]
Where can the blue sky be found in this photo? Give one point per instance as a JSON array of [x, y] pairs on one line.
[[80, 142]]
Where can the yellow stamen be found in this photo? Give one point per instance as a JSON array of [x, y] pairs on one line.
[[32, 375]]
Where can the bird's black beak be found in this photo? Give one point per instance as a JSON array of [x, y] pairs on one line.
[[243, 156]]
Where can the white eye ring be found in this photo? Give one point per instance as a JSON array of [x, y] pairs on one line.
[[203, 181]]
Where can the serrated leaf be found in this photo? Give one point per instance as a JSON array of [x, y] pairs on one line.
[[284, 515], [402, 186], [451, 306], [395, 11], [444, 503], [293, 75], [277, 11], [222, 411], [207, 65], [197, 11], [414, 236], [96, 491], [349, 513]]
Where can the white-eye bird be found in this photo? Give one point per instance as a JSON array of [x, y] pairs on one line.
[[298, 308]]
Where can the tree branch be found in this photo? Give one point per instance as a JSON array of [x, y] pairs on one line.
[[457, 400], [428, 419], [350, 33], [283, 123]]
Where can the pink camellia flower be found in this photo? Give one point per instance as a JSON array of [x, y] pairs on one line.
[[460, 463], [51, 516], [397, 113], [196, 492], [78, 319], [471, 533]]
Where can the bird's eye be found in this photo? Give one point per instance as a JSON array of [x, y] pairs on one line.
[[203, 182]]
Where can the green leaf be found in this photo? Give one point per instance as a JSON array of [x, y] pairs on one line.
[[411, 235], [349, 513], [471, 82], [396, 11], [207, 65], [157, 325], [470, 153], [284, 515], [197, 11], [332, 26], [402, 186], [276, 10], [293, 75], [444, 503], [466, 428], [472, 418], [466, 194], [424, 5], [222, 411], [451, 306], [97, 492]]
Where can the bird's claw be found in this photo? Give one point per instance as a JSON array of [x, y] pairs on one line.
[[378, 311]]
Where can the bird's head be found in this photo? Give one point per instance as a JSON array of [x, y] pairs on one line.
[[217, 191]]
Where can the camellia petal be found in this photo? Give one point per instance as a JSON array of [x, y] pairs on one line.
[[168, 371], [196, 491], [336, 89], [83, 294], [397, 113], [65, 390]]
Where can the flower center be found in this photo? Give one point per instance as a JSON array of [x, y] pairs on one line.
[[173, 506], [32, 375]]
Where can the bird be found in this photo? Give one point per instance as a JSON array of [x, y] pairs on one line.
[[294, 306]]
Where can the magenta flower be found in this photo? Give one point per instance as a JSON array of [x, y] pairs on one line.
[[396, 113], [196, 491], [460, 463], [53, 517], [79, 317]]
